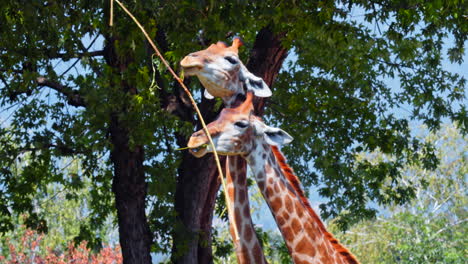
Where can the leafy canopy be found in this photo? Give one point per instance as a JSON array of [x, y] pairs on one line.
[[60, 88]]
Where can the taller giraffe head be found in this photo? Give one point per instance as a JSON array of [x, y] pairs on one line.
[[236, 132], [222, 73]]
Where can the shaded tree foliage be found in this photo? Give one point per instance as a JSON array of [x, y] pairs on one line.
[[71, 86]]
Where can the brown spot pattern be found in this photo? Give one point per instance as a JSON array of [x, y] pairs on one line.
[[296, 226], [246, 212], [286, 215], [261, 185], [288, 233], [276, 187], [269, 192], [288, 204], [276, 204], [248, 232], [257, 256], [280, 220], [238, 216], [303, 248], [242, 196]]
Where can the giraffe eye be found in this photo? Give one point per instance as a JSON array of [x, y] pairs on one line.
[[231, 59], [242, 124]]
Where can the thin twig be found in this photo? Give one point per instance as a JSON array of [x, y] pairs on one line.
[[218, 164], [79, 58], [111, 22], [448, 226]]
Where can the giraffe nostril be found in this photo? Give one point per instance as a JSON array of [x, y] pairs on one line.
[[193, 55]]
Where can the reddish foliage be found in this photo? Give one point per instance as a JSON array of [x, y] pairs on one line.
[[28, 251]]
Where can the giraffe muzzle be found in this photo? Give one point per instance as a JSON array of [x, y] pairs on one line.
[[198, 144], [191, 66], [199, 151]]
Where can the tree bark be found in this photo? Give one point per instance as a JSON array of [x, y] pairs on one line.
[[129, 187], [266, 58], [198, 183], [197, 186]]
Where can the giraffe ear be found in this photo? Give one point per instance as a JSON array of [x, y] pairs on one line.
[[276, 136], [254, 83]]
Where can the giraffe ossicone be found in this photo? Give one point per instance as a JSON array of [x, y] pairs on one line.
[[222, 73], [238, 132]]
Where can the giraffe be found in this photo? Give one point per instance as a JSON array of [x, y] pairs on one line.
[[238, 132], [222, 74]]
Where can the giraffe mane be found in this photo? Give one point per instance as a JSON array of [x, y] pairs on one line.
[[294, 181]]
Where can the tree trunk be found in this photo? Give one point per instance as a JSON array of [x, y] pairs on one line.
[[129, 188], [197, 185], [128, 184], [266, 58]]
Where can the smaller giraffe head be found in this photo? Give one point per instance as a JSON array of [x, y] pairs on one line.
[[222, 73], [236, 132]]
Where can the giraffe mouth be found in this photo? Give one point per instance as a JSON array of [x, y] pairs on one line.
[[199, 151], [191, 70], [190, 66]]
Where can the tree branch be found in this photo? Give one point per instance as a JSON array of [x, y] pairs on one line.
[[85, 51], [394, 64], [95, 53], [449, 226], [63, 149], [4, 82], [11, 70], [73, 96], [68, 56]]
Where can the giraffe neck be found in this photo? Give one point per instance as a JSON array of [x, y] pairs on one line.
[[248, 249], [304, 233], [234, 100], [247, 246], [231, 101]]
